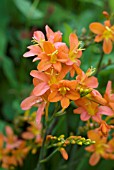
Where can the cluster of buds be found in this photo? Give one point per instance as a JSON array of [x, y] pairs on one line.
[[61, 142]]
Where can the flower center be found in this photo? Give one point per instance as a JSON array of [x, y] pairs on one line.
[[53, 57], [53, 80], [100, 148], [91, 108], [108, 33], [63, 90]]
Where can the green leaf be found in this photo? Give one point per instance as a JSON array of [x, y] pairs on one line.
[[67, 32], [9, 70], [4, 21], [28, 9], [3, 40]]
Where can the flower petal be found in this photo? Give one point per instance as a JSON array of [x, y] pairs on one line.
[[57, 66], [34, 50], [44, 65], [98, 38], [39, 36], [94, 159], [105, 110], [107, 46], [90, 148], [27, 135], [96, 28], [53, 36], [65, 102], [39, 75], [73, 40], [40, 89], [54, 97], [29, 102], [84, 116], [92, 82], [48, 47], [73, 95]]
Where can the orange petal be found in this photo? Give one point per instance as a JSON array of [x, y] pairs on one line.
[[57, 66], [40, 89], [92, 82], [54, 97], [48, 47], [90, 148], [53, 36], [98, 38], [39, 75], [9, 130], [94, 159], [29, 102], [27, 135], [65, 102], [38, 35], [107, 46], [97, 28], [93, 135], [73, 95], [64, 153], [107, 23], [49, 32], [44, 65], [64, 71], [73, 39]]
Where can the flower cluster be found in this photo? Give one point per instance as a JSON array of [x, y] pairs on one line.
[[15, 147], [56, 61], [59, 79], [102, 148]]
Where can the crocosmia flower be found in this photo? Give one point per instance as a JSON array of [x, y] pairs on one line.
[[98, 149], [104, 33]]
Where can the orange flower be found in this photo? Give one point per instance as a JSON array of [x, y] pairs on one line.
[[53, 56], [98, 149], [89, 109], [20, 153], [104, 33], [64, 91], [11, 139], [33, 132], [85, 80]]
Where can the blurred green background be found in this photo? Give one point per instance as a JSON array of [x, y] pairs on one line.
[[18, 20]]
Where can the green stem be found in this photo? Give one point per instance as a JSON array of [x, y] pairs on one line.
[[48, 131], [49, 157], [99, 63]]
